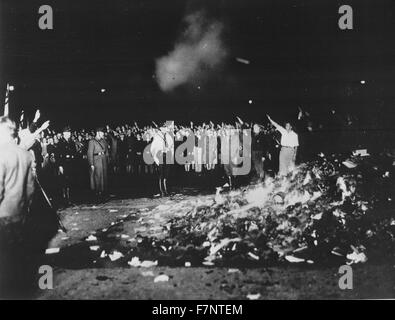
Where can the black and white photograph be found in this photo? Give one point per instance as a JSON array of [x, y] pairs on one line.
[[222, 152]]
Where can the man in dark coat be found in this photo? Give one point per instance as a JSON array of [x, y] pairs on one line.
[[258, 152], [66, 158], [113, 146], [98, 161]]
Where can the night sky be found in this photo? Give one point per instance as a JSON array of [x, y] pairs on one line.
[[298, 57]]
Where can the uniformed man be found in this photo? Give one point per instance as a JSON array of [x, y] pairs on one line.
[[66, 156], [98, 157]]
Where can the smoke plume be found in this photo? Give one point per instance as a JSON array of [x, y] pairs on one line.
[[198, 52]]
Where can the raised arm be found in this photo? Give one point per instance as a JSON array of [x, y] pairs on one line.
[[276, 125]]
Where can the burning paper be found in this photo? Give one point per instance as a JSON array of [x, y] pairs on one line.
[[161, 278], [148, 264], [254, 296], [91, 238], [115, 255], [293, 259], [52, 250], [135, 262]]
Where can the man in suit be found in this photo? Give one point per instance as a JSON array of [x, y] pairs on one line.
[[17, 185], [98, 161]]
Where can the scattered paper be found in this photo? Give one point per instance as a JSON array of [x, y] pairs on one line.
[[317, 216], [115, 255], [349, 164], [253, 256], [91, 238], [254, 296], [161, 278], [356, 257], [233, 270], [293, 259], [52, 250], [135, 262], [148, 264]]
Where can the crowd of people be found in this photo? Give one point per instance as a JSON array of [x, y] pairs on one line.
[[40, 166], [87, 159], [81, 158]]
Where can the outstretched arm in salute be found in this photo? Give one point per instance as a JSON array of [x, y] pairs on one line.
[[276, 125]]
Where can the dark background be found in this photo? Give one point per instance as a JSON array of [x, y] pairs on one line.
[[299, 57]]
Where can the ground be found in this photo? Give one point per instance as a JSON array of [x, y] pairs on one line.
[[80, 275]]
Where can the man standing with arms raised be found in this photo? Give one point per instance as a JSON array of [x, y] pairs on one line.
[[289, 147], [162, 151]]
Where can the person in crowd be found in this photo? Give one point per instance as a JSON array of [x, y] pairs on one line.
[[98, 157], [230, 153], [17, 185], [130, 158], [212, 155], [138, 165], [113, 146], [66, 158], [122, 153], [289, 147], [162, 150], [258, 152]]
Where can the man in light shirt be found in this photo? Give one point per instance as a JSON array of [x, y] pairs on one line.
[[162, 151], [289, 147]]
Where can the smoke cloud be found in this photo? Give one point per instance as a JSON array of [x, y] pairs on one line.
[[198, 52]]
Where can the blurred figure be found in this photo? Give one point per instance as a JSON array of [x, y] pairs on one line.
[[16, 191], [258, 152], [98, 161]]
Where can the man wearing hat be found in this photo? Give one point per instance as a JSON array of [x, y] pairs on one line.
[[98, 162], [66, 156]]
